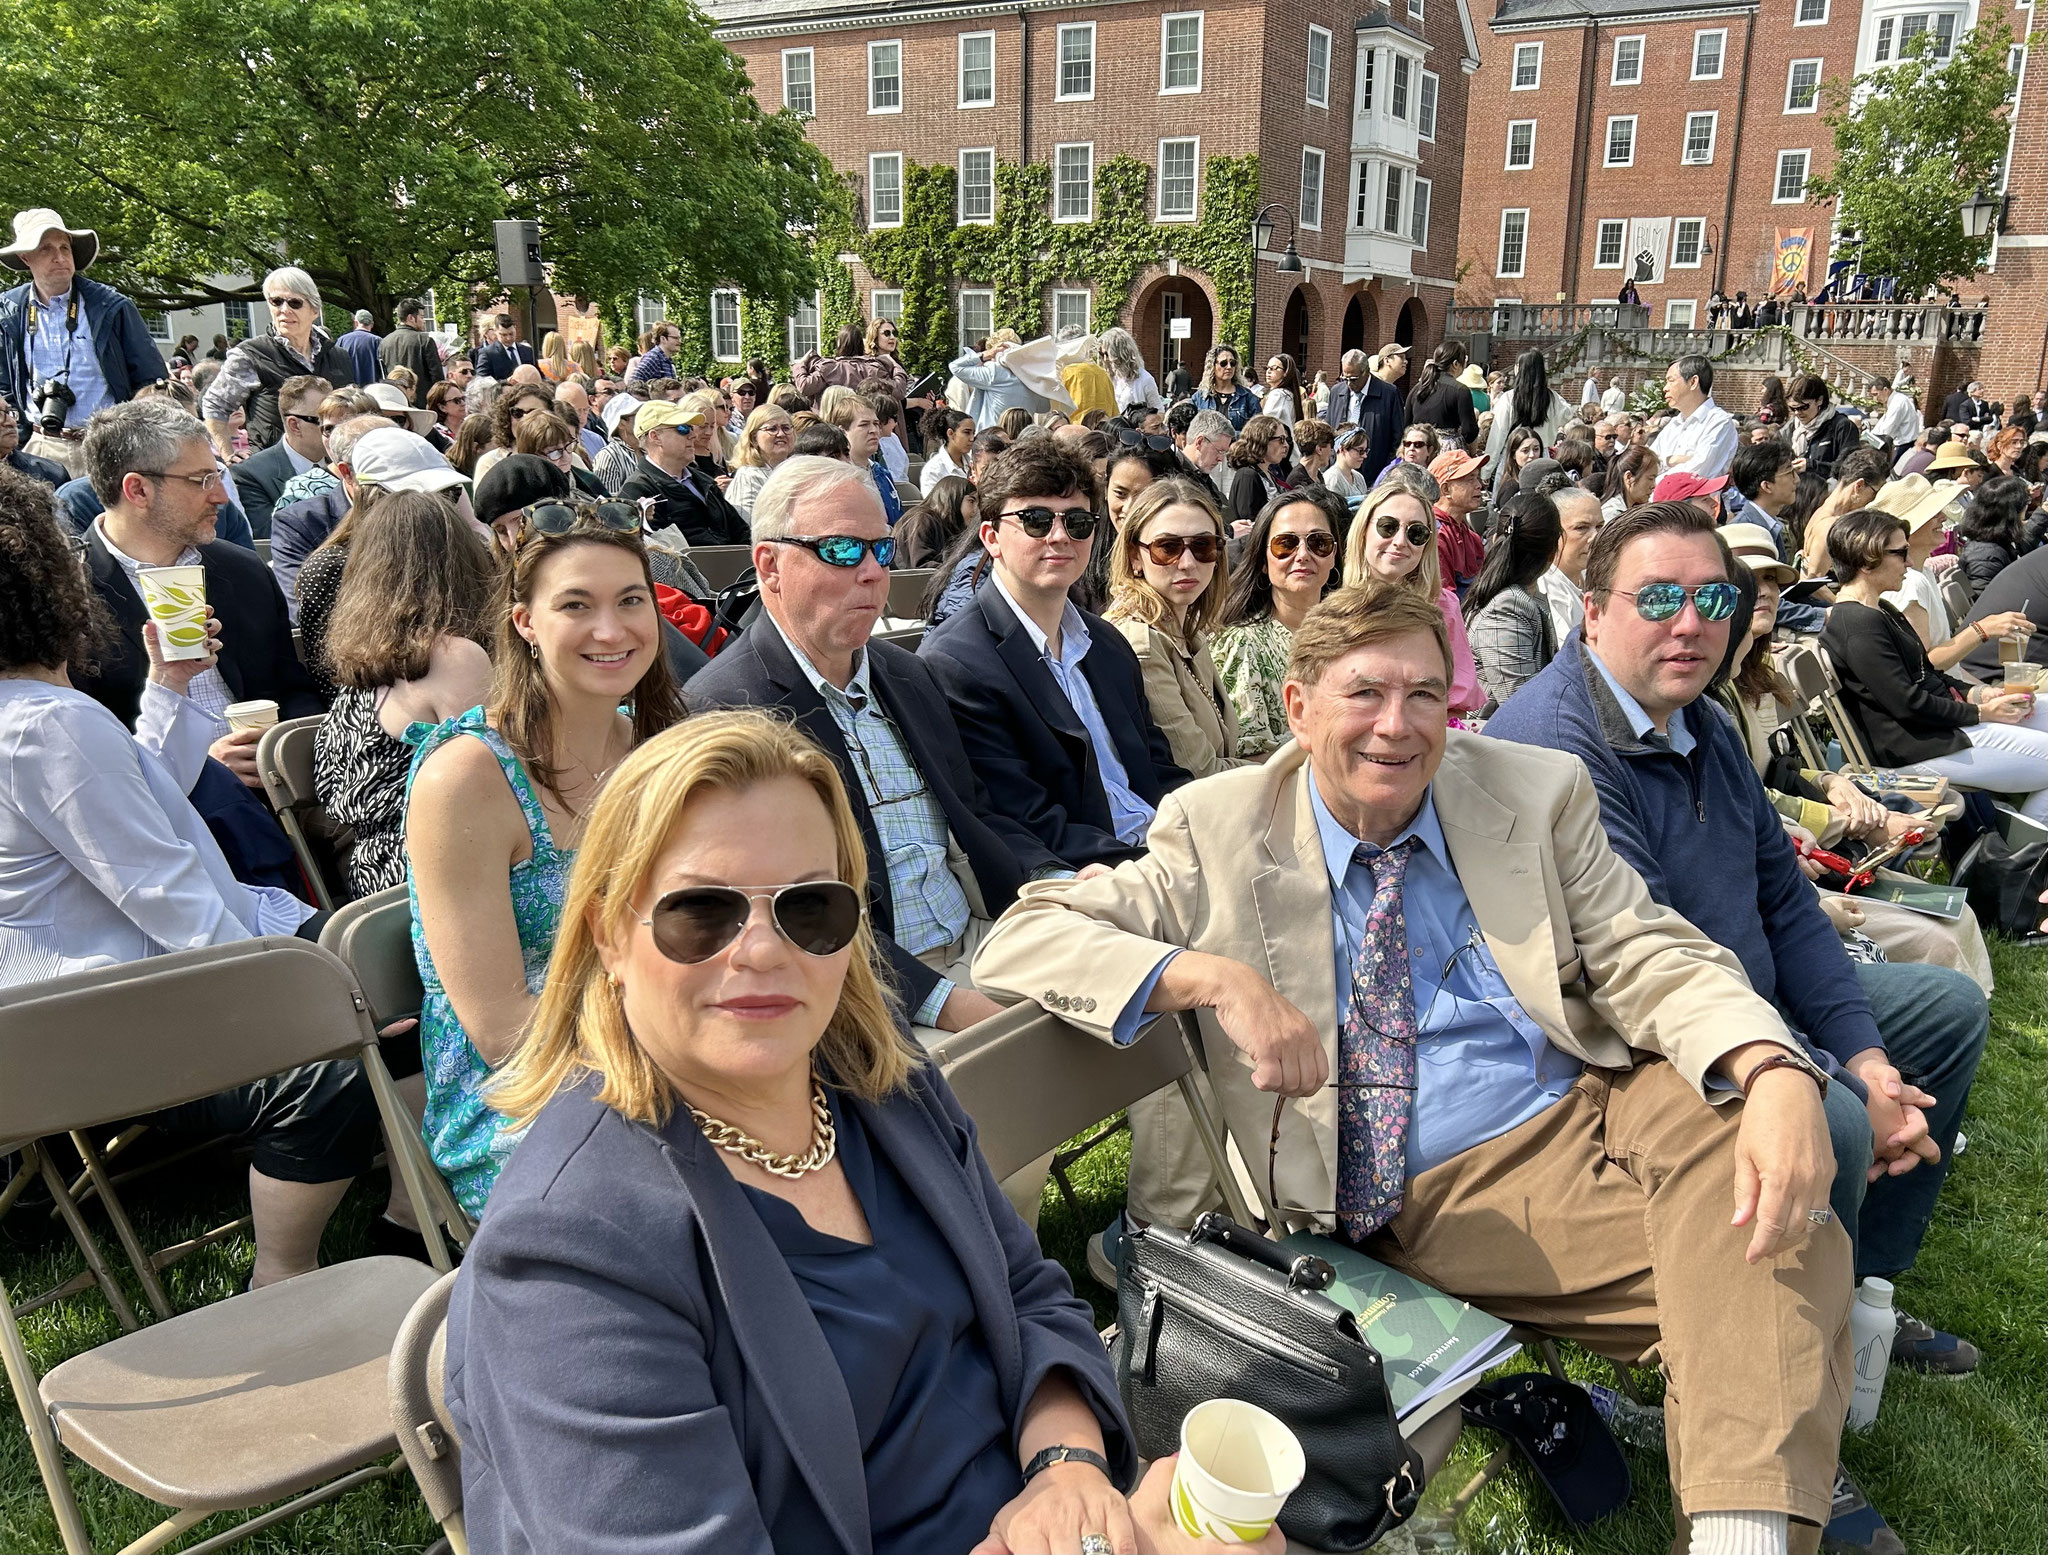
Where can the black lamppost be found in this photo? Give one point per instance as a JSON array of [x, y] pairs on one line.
[[1983, 213], [1289, 262]]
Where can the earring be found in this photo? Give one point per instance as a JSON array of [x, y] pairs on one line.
[[613, 979], [533, 648]]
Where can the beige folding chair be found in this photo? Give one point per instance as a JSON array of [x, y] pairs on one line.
[[284, 761], [374, 938], [1955, 597], [419, 1410], [722, 565], [906, 638], [267, 1395], [906, 593]]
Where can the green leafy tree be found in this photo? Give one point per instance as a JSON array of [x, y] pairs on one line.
[[1912, 142], [373, 142]]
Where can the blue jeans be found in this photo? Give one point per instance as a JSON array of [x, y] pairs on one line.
[[1933, 1021]]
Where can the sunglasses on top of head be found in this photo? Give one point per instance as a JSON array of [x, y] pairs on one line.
[[1168, 549], [1320, 543], [1079, 523], [819, 917], [557, 517], [1386, 526], [1663, 601], [1131, 437]]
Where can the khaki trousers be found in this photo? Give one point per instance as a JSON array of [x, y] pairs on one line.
[[1605, 1221], [1172, 1180]]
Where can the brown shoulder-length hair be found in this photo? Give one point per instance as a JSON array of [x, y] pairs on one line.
[[416, 573], [1131, 597], [520, 706], [1249, 451], [502, 431], [580, 1028]]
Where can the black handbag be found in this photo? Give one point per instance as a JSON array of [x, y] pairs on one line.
[[1220, 1312]]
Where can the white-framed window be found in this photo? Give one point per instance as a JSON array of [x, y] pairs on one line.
[[1071, 310], [1910, 28], [1397, 99], [1514, 243], [1699, 139], [158, 323], [1390, 216], [1708, 46], [1608, 243], [885, 189], [977, 69], [1180, 162], [647, 312], [1621, 141], [1688, 242], [885, 77], [977, 186], [1415, 10], [803, 326], [1628, 62], [1180, 52], [1944, 34], [1802, 86], [1361, 202], [1680, 313], [1811, 13], [1882, 49], [1425, 107], [976, 311], [1790, 187], [1076, 81], [1310, 211], [1365, 79], [1528, 74], [725, 325], [1521, 144], [1418, 213], [886, 304], [239, 319], [1318, 66], [799, 83], [1073, 182]]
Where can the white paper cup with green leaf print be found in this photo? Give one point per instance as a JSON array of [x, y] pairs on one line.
[[1237, 1466], [176, 600]]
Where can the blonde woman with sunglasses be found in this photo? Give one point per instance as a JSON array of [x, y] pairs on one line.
[[1393, 539], [1286, 566], [1166, 588]]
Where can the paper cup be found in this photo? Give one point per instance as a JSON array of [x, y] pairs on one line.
[[1237, 1466], [259, 714], [176, 600]]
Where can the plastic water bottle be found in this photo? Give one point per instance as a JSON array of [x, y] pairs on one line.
[[1640, 1425], [1872, 1325]]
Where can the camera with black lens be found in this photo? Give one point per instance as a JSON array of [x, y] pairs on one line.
[[53, 402]]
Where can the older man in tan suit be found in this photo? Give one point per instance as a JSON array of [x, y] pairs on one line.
[[1581, 1117]]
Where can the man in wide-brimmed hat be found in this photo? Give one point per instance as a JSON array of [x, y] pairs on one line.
[[68, 346]]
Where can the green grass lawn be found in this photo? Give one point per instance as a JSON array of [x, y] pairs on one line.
[[1957, 1466]]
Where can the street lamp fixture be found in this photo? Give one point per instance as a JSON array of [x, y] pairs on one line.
[[1289, 262], [1981, 214]]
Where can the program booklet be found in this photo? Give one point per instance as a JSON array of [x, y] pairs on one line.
[[1434, 1345]]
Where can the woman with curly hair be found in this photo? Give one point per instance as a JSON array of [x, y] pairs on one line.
[[1258, 467], [513, 405], [1133, 382]]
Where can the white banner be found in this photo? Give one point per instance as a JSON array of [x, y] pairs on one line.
[[1649, 239]]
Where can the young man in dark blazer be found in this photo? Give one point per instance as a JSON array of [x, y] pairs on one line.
[[1048, 698], [261, 478], [942, 862]]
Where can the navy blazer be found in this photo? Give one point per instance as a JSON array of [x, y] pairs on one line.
[[760, 671], [128, 357], [259, 481], [632, 1366], [1026, 742], [257, 658]]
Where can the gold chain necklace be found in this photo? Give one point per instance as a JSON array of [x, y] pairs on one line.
[[824, 1140]]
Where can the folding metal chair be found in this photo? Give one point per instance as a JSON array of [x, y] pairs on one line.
[[419, 1410], [276, 1393], [722, 565], [906, 593], [284, 761], [373, 937], [1955, 597]]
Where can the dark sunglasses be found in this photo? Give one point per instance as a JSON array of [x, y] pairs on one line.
[[1168, 549], [840, 550], [1386, 525], [1902, 552], [1320, 543], [1662, 601], [557, 517], [294, 303], [1418, 443], [819, 917], [1037, 522], [1158, 442]]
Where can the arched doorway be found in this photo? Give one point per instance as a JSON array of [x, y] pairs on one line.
[[1153, 315], [1294, 330], [1353, 335], [1413, 321]]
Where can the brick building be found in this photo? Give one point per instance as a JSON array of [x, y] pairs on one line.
[[1669, 142], [1355, 122]]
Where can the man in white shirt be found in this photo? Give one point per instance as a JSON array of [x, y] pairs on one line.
[[1590, 394], [1701, 440], [1898, 418], [1615, 400]]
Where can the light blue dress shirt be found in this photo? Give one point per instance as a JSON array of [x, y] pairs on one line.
[[1679, 739], [54, 351], [1482, 1066], [1129, 814]]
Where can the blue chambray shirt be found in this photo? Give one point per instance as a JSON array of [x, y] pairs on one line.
[[54, 352], [1482, 1066], [1679, 741], [930, 905], [1129, 814]]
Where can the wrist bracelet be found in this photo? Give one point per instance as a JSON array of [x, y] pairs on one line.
[[1046, 1457], [1784, 1061]]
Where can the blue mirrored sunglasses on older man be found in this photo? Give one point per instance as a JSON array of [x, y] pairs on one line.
[[840, 550], [1662, 601]]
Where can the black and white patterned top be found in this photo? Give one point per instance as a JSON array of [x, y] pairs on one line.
[[359, 771]]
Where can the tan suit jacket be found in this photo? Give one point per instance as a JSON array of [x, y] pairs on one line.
[[1189, 706], [1235, 868]]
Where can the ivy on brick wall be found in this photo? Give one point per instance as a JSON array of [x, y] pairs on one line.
[[1018, 256]]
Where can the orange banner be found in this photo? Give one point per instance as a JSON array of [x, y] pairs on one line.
[[1788, 259]]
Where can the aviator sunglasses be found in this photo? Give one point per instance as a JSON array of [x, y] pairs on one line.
[[1037, 522], [1418, 533], [819, 917], [1320, 543], [556, 517], [1662, 601], [1168, 549]]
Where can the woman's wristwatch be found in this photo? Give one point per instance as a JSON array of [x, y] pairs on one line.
[[1047, 1457]]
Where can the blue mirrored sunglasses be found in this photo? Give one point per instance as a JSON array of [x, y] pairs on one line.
[[1662, 601], [841, 550]]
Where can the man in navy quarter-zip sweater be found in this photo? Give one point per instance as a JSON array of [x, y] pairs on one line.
[[1682, 803]]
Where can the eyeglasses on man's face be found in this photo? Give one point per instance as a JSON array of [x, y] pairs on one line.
[[1037, 522], [1663, 601]]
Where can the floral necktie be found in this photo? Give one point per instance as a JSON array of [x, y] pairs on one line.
[[1376, 1056]]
